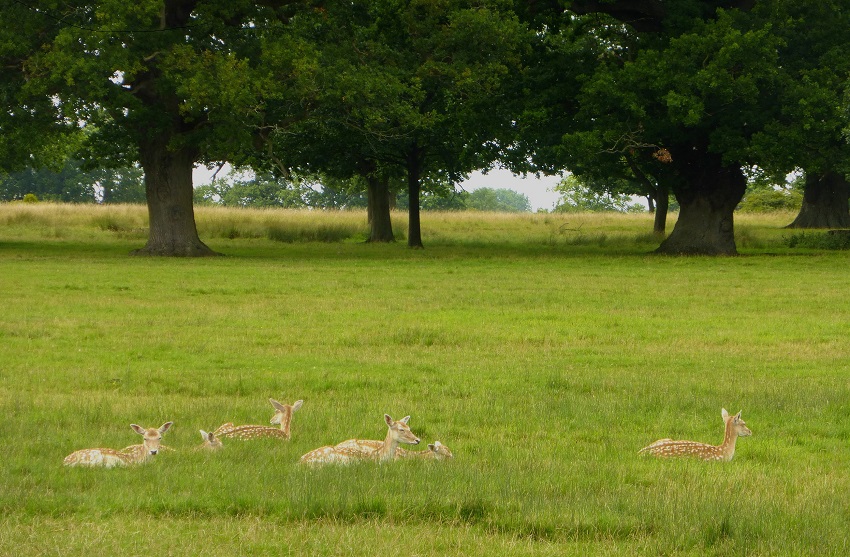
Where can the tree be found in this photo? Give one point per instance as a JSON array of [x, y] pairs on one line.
[[32, 131], [166, 84], [499, 200], [73, 184], [578, 197], [680, 90], [808, 131], [415, 89]]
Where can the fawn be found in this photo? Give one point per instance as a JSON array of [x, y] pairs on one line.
[[735, 427], [436, 451], [134, 454], [361, 449], [211, 442], [282, 416]]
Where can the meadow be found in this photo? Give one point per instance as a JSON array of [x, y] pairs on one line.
[[544, 350]]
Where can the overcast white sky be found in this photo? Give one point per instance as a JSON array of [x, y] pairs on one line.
[[538, 190]]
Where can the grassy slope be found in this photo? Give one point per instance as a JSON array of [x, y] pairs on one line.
[[545, 351]]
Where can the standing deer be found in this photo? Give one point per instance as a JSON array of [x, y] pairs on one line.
[[282, 416], [735, 427], [211, 442], [363, 449], [134, 454]]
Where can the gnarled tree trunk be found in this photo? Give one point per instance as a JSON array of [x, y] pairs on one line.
[[708, 193], [380, 225], [168, 185], [825, 202]]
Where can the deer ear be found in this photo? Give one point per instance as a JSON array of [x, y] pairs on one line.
[[138, 429], [405, 419], [432, 447], [165, 427], [724, 414], [297, 404], [276, 404], [388, 419], [738, 415], [204, 434]]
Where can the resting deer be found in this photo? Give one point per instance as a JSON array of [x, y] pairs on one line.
[[282, 416], [735, 427], [211, 441], [361, 449], [436, 451], [134, 454]]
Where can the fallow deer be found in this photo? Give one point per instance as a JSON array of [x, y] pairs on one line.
[[134, 454], [354, 450], [211, 441], [282, 416], [436, 451], [735, 427]]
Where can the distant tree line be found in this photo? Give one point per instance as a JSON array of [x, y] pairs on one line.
[[694, 103]]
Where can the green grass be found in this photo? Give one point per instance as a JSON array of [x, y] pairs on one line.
[[544, 350]]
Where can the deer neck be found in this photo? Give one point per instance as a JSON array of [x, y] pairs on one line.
[[729, 437], [285, 420], [387, 451]]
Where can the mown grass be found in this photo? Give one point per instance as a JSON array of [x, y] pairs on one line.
[[544, 361]]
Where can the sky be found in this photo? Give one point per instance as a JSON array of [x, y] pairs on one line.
[[538, 190]]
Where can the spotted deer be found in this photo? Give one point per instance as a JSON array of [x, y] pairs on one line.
[[211, 441], [436, 451], [134, 454], [354, 450], [735, 427], [282, 416]]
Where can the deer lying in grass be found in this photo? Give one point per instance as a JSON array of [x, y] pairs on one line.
[[735, 427], [211, 442], [134, 454], [354, 450], [436, 451], [282, 416]]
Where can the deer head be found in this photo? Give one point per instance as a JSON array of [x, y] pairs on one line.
[[736, 422], [399, 431], [283, 413], [211, 442], [152, 436], [440, 451]]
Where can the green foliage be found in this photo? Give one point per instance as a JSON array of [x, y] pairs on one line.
[[257, 192], [831, 240], [74, 184], [498, 200], [30, 198], [767, 200], [576, 197]]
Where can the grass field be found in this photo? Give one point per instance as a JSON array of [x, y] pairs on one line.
[[544, 350]]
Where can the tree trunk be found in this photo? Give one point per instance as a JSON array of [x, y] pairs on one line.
[[414, 187], [380, 225], [662, 205], [654, 192], [168, 185], [825, 202], [708, 193]]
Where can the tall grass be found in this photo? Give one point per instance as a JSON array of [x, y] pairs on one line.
[[543, 361], [107, 223]]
